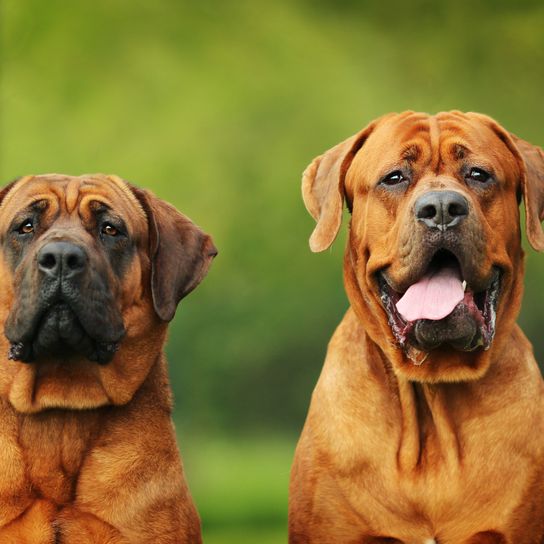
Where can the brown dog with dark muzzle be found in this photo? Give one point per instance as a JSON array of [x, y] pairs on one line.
[[92, 270], [427, 423]]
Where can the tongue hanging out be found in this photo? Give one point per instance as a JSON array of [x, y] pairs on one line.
[[434, 296]]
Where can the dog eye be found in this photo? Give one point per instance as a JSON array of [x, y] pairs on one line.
[[109, 229], [26, 228], [393, 178], [477, 174]]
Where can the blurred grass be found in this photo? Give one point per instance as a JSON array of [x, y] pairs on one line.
[[240, 536], [240, 486]]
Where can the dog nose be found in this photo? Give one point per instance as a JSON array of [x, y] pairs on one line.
[[441, 209], [61, 259]]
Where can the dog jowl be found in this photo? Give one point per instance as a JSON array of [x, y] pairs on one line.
[[427, 423], [92, 270]]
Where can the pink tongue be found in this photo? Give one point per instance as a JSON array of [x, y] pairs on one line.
[[434, 296]]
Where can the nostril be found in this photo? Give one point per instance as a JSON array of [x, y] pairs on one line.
[[62, 259], [457, 209], [48, 261], [74, 261], [427, 212]]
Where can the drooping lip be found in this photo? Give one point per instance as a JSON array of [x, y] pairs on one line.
[[99, 350], [480, 305]]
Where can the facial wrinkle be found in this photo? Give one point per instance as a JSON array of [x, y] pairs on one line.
[[72, 194], [434, 135]]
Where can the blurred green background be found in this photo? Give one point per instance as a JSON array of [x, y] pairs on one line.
[[218, 106]]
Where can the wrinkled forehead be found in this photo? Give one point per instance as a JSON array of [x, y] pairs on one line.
[[74, 195], [433, 140]]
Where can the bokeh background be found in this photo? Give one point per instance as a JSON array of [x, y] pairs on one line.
[[218, 106]]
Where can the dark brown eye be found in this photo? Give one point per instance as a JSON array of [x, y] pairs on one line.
[[477, 174], [109, 229], [393, 178], [26, 228]]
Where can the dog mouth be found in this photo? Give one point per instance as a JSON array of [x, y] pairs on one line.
[[58, 332], [442, 308]]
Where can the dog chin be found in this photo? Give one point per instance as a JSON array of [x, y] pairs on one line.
[[460, 330], [60, 335]]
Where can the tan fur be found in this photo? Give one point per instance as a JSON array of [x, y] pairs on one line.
[[451, 449], [88, 453]]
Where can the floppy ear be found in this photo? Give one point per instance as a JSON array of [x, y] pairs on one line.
[[532, 184], [180, 253], [323, 188], [531, 162]]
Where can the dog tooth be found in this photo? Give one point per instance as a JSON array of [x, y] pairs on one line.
[[464, 285]]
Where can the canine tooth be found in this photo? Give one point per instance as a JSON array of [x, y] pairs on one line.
[[464, 285]]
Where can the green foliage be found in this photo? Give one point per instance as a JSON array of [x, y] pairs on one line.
[[238, 483], [218, 107]]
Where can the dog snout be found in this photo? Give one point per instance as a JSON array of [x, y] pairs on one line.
[[62, 260], [441, 209]]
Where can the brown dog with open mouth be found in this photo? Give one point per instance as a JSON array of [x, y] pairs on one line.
[[92, 270], [427, 423]]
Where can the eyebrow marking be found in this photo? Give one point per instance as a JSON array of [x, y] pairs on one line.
[[411, 153], [459, 151], [39, 204], [97, 206]]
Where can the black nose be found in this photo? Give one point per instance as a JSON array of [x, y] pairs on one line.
[[441, 209], [61, 259]]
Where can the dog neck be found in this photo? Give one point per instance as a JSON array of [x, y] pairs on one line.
[[80, 384], [426, 420], [54, 444]]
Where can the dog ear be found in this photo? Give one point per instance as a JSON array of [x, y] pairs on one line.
[[180, 253], [532, 184], [531, 162], [323, 188]]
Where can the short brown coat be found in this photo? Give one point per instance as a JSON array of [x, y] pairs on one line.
[[407, 447], [88, 452]]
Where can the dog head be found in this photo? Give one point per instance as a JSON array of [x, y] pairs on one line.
[[433, 264], [92, 270]]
